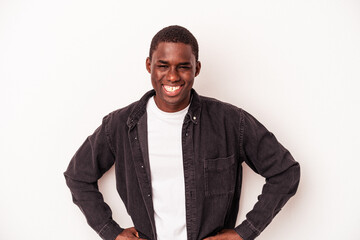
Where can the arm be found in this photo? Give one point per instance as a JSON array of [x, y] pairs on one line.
[[89, 163], [267, 157]]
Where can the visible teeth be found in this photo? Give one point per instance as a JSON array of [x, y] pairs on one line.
[[171, 88]]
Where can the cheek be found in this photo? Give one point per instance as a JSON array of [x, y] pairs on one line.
[[188, 77], [156, 75], [155, 80]]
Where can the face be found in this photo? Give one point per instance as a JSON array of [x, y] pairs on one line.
[[173, 68]]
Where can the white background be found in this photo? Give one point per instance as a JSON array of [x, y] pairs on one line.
[[65, 64]]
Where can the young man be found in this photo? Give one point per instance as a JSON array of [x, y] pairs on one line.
[[178, 158]]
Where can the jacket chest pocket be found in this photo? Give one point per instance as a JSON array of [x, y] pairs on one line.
[[219, 176]]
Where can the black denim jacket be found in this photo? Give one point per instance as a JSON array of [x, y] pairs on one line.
[[216, 139]]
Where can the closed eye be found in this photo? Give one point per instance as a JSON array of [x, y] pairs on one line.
[[184, 67]]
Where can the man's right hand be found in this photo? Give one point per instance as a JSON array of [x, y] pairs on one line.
[[129, 233]]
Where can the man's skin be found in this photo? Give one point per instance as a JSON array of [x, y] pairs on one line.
[[173, 68]]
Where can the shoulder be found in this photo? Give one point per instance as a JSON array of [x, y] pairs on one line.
[[119, 117], [219, 113], [132, 111], [122, 112], [218, 106], [215, 105], [217, 110]]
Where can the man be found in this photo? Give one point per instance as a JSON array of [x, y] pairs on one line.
[[178, 158]]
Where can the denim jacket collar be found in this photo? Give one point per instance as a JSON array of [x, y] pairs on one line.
[[140, 108]]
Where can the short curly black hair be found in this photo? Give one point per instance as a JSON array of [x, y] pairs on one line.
[[175, 34]]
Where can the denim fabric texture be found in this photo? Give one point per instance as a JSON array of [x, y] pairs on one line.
[[217, 138]]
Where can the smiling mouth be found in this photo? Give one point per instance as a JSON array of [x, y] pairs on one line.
[[171, 88], [172, 91]]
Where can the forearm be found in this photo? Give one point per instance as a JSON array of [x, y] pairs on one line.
[[276, 192], [97, 213]]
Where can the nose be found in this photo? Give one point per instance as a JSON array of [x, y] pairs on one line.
[[173, 75]]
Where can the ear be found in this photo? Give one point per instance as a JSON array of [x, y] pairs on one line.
[[198, 67], [148, 64]]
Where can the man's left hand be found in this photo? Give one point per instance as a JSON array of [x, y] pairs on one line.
[[226, 234]]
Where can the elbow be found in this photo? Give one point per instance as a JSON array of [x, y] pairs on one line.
[[296, 173]]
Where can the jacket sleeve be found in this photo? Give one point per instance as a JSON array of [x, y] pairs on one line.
[[89, 163], [267, 157]]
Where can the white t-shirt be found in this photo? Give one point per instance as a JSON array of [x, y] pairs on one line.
[[167, 172]]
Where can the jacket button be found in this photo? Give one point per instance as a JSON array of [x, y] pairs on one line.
[[194, 117], [186, 134], [142, 166]]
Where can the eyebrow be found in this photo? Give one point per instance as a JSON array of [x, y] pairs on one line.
[[162, 61]]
